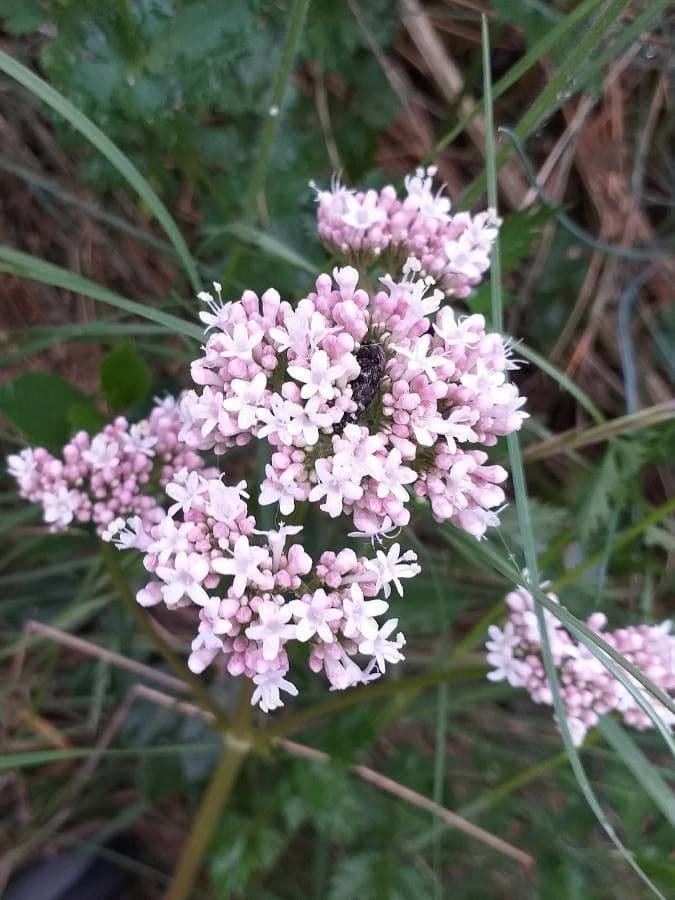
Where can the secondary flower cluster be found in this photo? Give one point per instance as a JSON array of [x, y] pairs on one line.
[[112, 476], [588, 690], [256, 593], [364, 398], [362, 225]]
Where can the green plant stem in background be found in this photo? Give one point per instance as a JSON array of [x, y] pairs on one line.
[[112, 153], [195, 684], [520, 487], [256, 184], [214, 798]]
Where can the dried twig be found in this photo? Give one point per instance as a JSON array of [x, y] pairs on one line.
[[115, 659]]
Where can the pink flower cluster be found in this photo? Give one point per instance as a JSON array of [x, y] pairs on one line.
[[366, 399], [587, 688], [256, 593], [363, 225], [109, 478]]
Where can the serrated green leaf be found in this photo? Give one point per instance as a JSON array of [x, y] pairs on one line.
[[608, 486], [241, 849], [125, 377]]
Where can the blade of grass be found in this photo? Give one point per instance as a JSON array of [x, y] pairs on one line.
[[112, 153], [562, 379], [556, 91], [270, 245], [522, 504], [530, 59], [574, 439], [641, 767], [10, 762], [26, 266], [648, 251], [34, 179]]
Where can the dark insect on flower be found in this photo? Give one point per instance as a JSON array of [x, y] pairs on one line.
[[371, 358]]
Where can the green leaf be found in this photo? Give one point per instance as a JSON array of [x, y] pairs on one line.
[[21, 16], [125, 378], [242, 848], [377, 876], [85, 417], [609, 485], [40, 406]]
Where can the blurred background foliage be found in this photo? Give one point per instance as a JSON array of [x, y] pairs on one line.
[[183, 88]]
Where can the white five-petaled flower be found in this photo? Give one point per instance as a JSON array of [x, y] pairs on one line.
[[268, 687], [112, 528], [305, 421], [345, 673], [59, 506], [360, 614], [313, 614], [244, 565], [241, 343], [319, 378], [384, 650], [465, 258], [141, 438], [282, 488], [220, 311], [418, 358], [336, 483], [172, 539], [248, 395], [500, 648], [206, 410], [363, 213], [302, 329], [391, 567], [187, 489], [21, 465], [393, 476], [130, 535], [224, 502], [184, 578], [273, 629], [103, 452]]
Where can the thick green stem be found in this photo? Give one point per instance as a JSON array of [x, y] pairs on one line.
[[119, 580], [219, 788], [215, 796]]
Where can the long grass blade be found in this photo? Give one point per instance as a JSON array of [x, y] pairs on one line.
[[557, 90], [551, 39], [641, 767], [561, 378], [15, 262], [522, 504], [112, 153]]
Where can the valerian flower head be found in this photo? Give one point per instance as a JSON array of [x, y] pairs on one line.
[[588, 690]]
